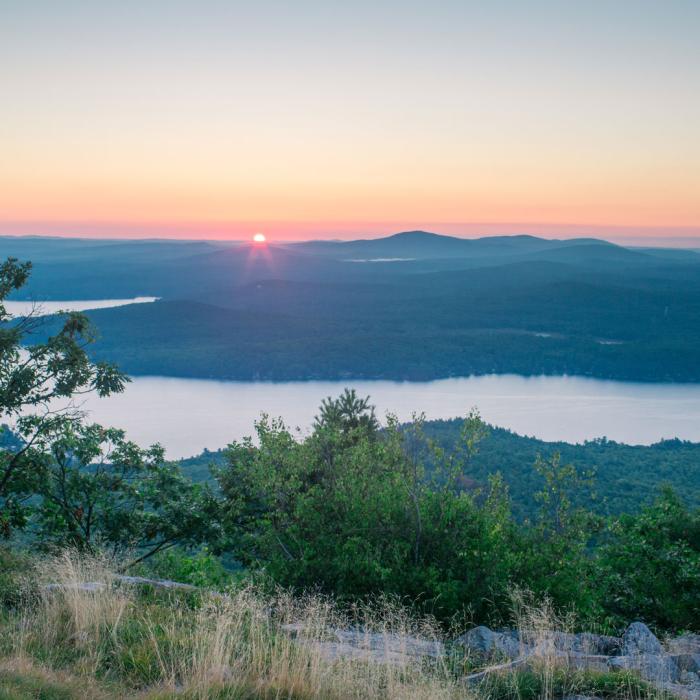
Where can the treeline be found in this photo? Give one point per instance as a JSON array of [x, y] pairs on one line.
[[354, 509], [599, 311], [626, 477]]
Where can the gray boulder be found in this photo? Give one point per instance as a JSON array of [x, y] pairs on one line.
[[687, 662], [685, 644], [580, 643], [385, 648], [639, 639], [583, 662], [680, 692], [482, 641], [651, 667], [601, 644]]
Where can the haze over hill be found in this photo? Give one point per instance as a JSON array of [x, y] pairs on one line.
[[429, 306], [423, 244]]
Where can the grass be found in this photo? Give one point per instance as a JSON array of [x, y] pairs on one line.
[[120, 642]]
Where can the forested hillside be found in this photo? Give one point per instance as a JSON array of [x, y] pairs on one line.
[[621, 478], [413, 306]]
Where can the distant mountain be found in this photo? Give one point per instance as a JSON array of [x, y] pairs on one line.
[[429, 306], [203, 270], [422, 244]]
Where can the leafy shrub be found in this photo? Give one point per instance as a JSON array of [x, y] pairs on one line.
[[201, 568]]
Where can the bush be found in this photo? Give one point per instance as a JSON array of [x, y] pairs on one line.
[[200, 568], [649, 566], [14, 567]]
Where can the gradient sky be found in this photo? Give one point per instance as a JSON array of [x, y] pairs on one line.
[[324, 119]]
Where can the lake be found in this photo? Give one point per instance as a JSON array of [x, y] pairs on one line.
[[22, 308], [187, 415]]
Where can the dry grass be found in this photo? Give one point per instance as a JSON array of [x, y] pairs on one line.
[[211, 646], [123, 643]]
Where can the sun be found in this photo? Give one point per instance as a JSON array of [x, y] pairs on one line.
[[259, 238]]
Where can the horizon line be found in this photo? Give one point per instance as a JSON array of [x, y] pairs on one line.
[[620, 234]]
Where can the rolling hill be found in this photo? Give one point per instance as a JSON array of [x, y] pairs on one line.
[[449, 307]]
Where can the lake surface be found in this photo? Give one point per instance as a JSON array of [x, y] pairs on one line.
[[22, 308], [187, 415]]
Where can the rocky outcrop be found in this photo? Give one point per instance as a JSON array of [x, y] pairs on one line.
[[94, 586], [378, 647], [639, 639], [674, 668], [483, 642], [655, 668], [685, 644]]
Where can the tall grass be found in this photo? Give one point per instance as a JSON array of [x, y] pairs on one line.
[[209, 645], [246, 644]]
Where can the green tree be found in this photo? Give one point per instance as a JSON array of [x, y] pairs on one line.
[[649, 565], [348, 413], [556, 558], [35, 381], [352, 509], [98, 490]]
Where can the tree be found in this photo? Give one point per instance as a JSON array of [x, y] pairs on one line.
[[35, 379], [348, 414], [556, 558], [99, 490], [649, 565], [356, 510]]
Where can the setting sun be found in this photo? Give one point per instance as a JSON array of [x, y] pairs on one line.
[[259, 238]]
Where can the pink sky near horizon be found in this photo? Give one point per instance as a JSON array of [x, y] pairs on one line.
[[300, 231], [326, 120]]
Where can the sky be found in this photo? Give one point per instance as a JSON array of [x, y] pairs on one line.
[[309, 119]]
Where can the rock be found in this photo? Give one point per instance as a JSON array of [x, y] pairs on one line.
[[598, 644], [580, 643], [639, 639], [651, 667], [156, 583], [583, 662], [690, 678], [683, 692], [485, 642], [378, 647], [476, 678], [86, 587], [685, 644], [687, 662], [94, 586], [399, 643]]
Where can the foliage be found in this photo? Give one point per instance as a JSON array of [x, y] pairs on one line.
[[100, 490], [356, 512], [117, 643], [617, 477], [200, 568], [33, 378], [354, 509], [556, 557], [14, 566], [625, 477], [649, 566]]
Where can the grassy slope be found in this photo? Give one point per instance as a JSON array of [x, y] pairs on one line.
[[125, 643]]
